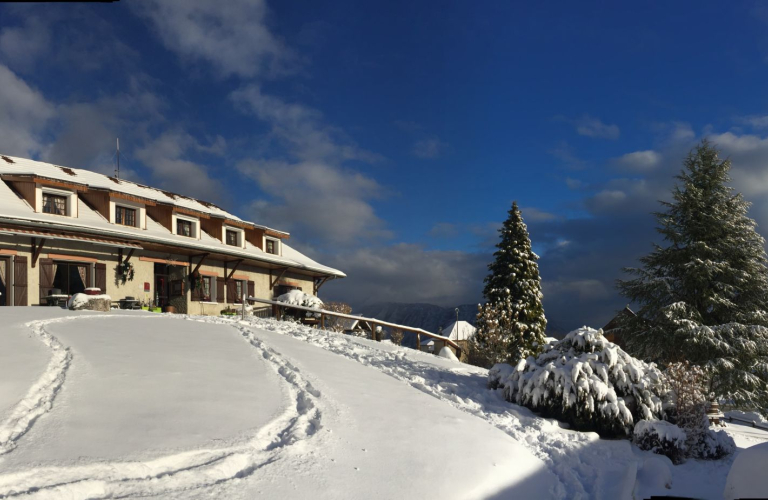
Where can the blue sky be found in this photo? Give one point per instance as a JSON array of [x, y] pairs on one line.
[[390, 138]]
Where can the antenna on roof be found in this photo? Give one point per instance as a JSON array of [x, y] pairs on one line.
[[117, 171]]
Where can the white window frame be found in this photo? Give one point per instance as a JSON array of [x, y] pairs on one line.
[[240, 236], [278, 248], [71, 197], [195, 225], [141, 212]]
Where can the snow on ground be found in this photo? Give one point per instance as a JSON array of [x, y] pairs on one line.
[[148, 405], [131, 404]]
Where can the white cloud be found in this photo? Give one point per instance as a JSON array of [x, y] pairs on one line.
[[166, 157], [594, 127], [564, 153], [755, 121], [24, 116], [299, 129], [428, 148], [311, 190], [21, 46], [409, 273], [638, 161], [324, 203], [532, 214], [232, 36]]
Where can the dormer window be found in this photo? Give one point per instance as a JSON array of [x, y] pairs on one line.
[[125, 216], [184, 228], [54, 204], [232, 238], [271, 246]]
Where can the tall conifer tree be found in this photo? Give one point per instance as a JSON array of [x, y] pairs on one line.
[[510, 326], [703, 297]]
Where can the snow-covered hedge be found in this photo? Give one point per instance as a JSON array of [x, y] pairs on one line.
[[661, 437], [299, 298], [668, 439], [586, 381]]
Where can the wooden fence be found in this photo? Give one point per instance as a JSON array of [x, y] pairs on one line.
[[372, 323]]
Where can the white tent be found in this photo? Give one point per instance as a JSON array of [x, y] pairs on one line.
[[459, 330]]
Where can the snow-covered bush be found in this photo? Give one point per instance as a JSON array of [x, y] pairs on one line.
[[661, 437], [712, 445], [586, 381], [299, 298]]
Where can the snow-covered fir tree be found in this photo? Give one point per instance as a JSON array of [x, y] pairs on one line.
[[703, 296], [511, 325]]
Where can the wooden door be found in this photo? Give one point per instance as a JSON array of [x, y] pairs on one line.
[[100, 276], [46, 278], [20, 281]]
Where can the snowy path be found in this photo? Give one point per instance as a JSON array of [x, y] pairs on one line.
[[138, 403], [583, 465], [112, 407]]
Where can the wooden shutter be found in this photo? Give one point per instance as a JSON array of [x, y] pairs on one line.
[[20, 281], [232, 297], [100, 271], [46, 278], [251, 289], [219, 289]]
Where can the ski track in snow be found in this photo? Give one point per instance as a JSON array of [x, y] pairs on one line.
[[586, 466], [177, 472], [39, 398]]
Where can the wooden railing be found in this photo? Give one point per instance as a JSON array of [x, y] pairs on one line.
[[372, 323], [747, 421]]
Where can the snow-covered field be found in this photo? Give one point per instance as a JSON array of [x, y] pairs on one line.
[[131, 404]]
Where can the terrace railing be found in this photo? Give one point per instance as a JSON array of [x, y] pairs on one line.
[[372, 322]]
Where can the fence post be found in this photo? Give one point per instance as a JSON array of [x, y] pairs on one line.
[[322, 321]]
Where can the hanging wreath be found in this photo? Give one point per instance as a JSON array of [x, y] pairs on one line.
[[125, 272]]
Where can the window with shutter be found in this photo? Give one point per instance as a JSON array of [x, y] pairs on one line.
[[20, 281], [219, 289], [101, 276]]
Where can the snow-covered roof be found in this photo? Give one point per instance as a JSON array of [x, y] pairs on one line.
[[11, 165], [459, 330], [15, 210]]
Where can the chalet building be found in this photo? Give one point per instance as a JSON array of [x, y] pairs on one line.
[[612, 331], [63, 230]]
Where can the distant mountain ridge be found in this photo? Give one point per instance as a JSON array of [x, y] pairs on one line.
[[430, 317]]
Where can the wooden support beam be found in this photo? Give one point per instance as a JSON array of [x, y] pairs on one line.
[[237, 264], [36, 249], [322, 321], [320, 282], [130, 254], [202, 259], [273, 282]]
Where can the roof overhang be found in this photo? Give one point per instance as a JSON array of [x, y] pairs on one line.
[[69, 237]]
